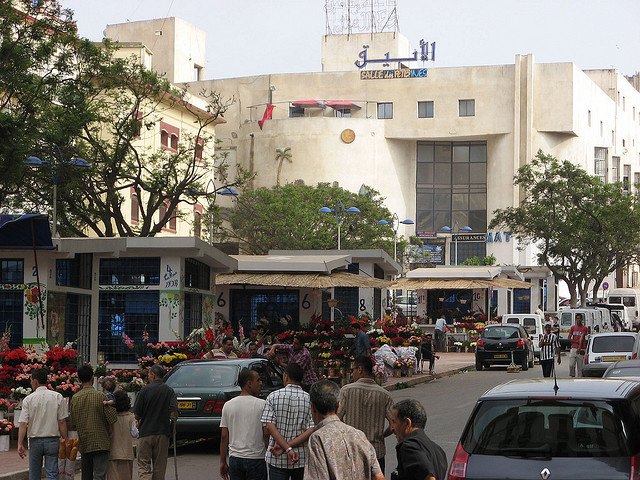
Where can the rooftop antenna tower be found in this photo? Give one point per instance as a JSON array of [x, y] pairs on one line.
[[361, 16]]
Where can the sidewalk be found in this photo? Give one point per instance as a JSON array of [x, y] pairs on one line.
[[15, 468]]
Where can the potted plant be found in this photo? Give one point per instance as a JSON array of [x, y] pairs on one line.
[[5, 429]]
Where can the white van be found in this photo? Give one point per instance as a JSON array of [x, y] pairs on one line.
[[567, 318], [630, 298], [532, 323]]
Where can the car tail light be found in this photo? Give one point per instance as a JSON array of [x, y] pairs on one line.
[[586, 359], [213, 406], [635, 468], [521, 342], [458, 468], [480, 343], [634, 356]]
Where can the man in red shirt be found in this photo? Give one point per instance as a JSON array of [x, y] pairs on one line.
[[578, 338]]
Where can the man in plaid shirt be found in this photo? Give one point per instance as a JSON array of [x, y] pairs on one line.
[[287, 416], [298, 353]]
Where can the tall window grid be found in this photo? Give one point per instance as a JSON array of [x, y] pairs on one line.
[[600, 163]]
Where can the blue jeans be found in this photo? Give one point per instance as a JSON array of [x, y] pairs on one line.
[[276, 473], [47, 448], [247, 468]]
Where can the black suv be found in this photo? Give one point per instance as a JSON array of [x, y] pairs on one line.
[[503, 344], [529, 429]]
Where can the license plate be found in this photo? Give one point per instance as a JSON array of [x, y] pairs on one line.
[[501, 355], [186, 405], [614, 358]]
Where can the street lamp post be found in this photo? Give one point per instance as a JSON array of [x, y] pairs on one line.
[[455, 232], [56, 154], [395, 224], [211, 199], [338, 214]]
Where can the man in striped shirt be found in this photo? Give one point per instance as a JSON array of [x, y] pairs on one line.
[[365, 405], [549, 345]]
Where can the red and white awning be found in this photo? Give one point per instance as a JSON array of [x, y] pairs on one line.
[[308, 104], [341, 105]]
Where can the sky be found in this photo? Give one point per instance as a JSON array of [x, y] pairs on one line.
[[255, 37]]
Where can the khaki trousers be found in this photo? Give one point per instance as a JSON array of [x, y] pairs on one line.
[[153, 451]]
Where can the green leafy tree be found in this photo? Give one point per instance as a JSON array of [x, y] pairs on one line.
[[583, 228], [287, 217], [100, 114], [34, 65]]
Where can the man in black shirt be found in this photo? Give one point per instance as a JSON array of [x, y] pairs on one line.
[[418, 457], [154, 404]]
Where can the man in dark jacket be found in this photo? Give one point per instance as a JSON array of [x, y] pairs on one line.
[[418, 457]]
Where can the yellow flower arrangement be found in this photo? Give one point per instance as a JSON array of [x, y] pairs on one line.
[[383, 339]]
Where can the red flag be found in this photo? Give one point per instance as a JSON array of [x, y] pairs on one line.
[[267, 114]]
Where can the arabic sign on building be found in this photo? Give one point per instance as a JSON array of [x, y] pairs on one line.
[[386, 60], [396, 73]]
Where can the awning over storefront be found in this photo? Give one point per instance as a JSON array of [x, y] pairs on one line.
[[25, 231], [341, 105], [301, 280], [308, 104], [457, 284]]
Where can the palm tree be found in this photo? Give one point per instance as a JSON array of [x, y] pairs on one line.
[[282, 154]]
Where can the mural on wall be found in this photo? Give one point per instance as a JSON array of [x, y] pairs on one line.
[[208, 310], [56, 318], [173, 301], [125, 287]]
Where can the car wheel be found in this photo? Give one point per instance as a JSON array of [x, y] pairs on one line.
[[525, 364], [478, 365], [532, 362]]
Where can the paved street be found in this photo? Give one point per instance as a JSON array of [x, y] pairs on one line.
[[448, 401]]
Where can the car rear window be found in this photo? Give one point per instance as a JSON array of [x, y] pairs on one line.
[[529, 324], [612, 343], [624, 372], [498, 333], [203, 376], [558, 428]]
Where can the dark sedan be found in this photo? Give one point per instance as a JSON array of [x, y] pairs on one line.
[[203, 387], [628, 369], [537, 429], [504, 344]]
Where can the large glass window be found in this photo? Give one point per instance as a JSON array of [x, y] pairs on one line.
[[451, 186], [129, 313], [600, 166], [347, 304], [11, 315], [196, 274], [279, 308], [78, 323], [12, 270], [130, 271], [192, 312], [74, 272], [385, 110]]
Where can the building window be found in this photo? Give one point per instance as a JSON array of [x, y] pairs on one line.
[[385, 110], [466, 108], [600, 166], [199, 149], [615, 169], [633, 115], [589, 117], [169, 136], [77, 322], [624, 103], [12, 270], [192, 312], [197, 224], [601, 128], [636, 180], [249, 306], [613, 138], [11, 315], [135, 208], [74, 272], [451, 185], [296, 112], [467, 250], [347, 304], [343, 112], [162, 211], [425, 109], [196, 274], [130, 271], [626, 178], [130, 313]]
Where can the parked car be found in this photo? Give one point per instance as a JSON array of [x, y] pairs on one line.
[[526, 429], [503, 344], [408, 303], [203, 387], [532, 323], [628, 369], [604, 349]]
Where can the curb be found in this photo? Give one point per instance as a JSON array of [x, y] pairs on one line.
[[413, 381]]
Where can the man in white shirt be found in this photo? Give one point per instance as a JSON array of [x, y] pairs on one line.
[[243, 436], [439, 331], [43, 419]]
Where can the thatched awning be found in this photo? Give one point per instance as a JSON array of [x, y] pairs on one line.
[[301, 280], [457, 284]]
